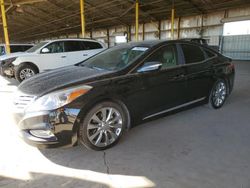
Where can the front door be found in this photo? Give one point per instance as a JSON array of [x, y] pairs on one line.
[[165, 89], [53, 58]]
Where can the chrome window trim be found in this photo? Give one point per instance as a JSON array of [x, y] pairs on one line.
[[142, 61]]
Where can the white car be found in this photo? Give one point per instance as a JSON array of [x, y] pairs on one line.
[[48, 55]]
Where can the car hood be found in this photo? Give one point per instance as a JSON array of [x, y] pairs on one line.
[[47, 82]]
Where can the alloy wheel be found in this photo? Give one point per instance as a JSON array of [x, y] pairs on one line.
[[26, 73], [104, 127], [219, 94]]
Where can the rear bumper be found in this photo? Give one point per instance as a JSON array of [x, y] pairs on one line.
[[48, 129]]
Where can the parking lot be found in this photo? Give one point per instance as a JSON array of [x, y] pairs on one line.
[[200, 147]]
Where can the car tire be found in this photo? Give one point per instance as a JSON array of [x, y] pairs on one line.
[[24, 71], [103, 125], [218, 94]]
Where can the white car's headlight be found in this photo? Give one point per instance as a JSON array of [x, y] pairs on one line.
[[57, 99]]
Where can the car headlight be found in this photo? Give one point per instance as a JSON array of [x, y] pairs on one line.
[[8, 61], [57, 99]]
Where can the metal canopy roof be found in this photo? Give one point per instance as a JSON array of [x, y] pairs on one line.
[[34, 19]]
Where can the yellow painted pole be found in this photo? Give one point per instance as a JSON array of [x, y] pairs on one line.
[[82, 17], [172, 24], [136, 20], [5, 27]]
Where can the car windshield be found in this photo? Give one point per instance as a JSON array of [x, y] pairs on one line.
[[36, 47], [115, 58]]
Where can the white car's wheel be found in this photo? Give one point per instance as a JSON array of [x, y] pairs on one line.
[[25, 71]]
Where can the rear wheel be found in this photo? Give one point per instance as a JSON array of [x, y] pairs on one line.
[[25, 71], [218, 94], [103, 126]]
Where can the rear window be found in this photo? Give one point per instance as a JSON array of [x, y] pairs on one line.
[[92, 45], [209, 53], [192, 53]]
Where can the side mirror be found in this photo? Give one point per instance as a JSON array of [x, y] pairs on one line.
[[150, 66], [45, 50]]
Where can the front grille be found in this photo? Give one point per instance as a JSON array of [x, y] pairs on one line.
[[21, 100]]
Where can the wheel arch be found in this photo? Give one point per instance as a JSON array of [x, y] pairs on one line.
[[31, 64], [226, 79], [92, 103]]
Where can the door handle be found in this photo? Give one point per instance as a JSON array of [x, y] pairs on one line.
[[63, 56], [85, 54]]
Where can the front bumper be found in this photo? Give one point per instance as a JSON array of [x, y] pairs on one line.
[[7, 70], [47, 129]]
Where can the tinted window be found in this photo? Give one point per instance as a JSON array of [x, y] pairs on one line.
[[192, 53], [92, 45], [56, 47], [26, 48], [166, 55], [72, 46], [2, 50], [19, 48], [16, 48], [209, 53]]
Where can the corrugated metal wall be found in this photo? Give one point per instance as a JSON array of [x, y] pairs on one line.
[[236, 47]]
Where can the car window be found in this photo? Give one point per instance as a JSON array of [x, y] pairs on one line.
[[56, 47], [92, 45], [72, 46], [192, 53], [209, 53], [167, 55], [16, 48], [2, 50], [36, 47], [115, 58], [26, 47]]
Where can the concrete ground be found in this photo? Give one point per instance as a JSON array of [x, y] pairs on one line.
[[196, 148]]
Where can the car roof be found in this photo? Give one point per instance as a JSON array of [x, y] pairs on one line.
[[151, 43], [70, 39]]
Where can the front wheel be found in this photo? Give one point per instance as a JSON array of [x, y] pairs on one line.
[[218, 94], [25, 71], [103, 126]]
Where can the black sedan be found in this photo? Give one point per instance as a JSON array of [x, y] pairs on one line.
[[95, 101]]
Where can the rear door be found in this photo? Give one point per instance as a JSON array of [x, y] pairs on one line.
[[92, 48], [74, 52], [199, 71]]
